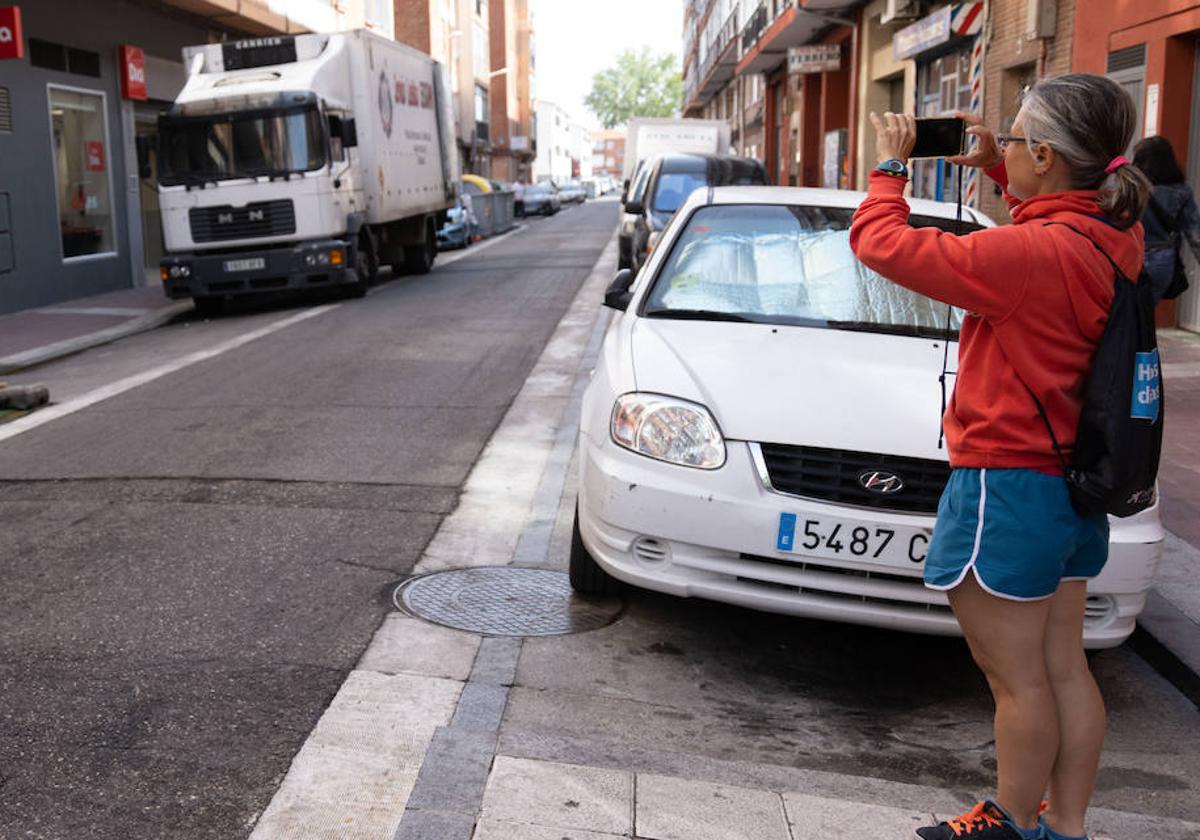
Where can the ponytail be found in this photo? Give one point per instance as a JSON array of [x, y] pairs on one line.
[[1124, 196]]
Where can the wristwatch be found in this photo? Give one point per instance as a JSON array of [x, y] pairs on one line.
[[894, 167]]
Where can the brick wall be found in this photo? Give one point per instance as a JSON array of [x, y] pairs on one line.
[[412, 23], [1013, 60]]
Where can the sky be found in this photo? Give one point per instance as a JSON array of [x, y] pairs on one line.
[[575, 39]]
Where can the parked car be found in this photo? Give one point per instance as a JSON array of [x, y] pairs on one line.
[[670, 179], [572, 192], [541, 199], [461, 227], [634, 192], [762, 427]]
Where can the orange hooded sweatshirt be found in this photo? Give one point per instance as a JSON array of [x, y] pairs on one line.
[[1037, 299]]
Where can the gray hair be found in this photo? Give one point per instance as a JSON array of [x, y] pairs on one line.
[[1089, 120]]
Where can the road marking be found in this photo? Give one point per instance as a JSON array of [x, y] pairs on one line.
[[54, 412]]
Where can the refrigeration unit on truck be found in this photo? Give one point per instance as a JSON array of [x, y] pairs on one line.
[[646, 137], [303, 161]]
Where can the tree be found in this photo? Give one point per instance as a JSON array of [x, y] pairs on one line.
[[638, 85]]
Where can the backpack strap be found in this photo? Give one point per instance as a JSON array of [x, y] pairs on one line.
[[1041, 408]]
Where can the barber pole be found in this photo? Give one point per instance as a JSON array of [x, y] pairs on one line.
[[967, 20]]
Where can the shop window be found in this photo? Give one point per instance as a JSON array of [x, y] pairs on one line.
[[943, 86], [82, 157]]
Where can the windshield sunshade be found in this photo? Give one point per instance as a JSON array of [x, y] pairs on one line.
[[195, 150], [775, 264]]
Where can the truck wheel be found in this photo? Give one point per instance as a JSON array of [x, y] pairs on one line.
[[208, 306], [419, 258], [587, 578], [366, 267]]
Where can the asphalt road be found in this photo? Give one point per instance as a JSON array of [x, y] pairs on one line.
[[191, 568]]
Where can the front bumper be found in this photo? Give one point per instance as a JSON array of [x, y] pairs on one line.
[[711, 534], [298, 266]]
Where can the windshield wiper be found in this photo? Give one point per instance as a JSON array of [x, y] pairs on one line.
[[894, 329], [701, 315]]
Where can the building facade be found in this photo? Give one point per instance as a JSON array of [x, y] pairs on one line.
[[511, 44], [781, 72], [608, 152], [564, 146], [81, 86]]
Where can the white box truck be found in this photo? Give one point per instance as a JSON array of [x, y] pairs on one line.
[[646, 137], [303, 161]]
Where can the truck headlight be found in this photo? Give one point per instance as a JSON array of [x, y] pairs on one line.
[[185, 271], [668, 429]]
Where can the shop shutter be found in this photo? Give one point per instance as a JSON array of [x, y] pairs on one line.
[[5, 112]]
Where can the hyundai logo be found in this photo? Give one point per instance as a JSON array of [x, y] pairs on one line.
[[884, 483]]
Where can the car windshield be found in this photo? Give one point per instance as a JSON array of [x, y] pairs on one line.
[[791, 265], [238, 145], [674, 187]]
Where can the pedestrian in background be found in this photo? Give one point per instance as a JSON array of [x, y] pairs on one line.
[[518, 199], [1171, 217], [1010, 551]]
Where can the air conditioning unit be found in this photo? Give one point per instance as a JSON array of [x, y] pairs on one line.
[[897, 10]]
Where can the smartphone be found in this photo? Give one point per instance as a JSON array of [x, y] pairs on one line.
[[939, 137]]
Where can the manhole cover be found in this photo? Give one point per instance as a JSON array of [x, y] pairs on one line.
[[504, 601]]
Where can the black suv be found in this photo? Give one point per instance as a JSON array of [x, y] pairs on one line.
[[667, 181]]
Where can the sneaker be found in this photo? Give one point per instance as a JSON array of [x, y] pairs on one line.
[[986, 821], [1046, 827]]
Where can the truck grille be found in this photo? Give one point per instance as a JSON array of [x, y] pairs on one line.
[[263, 218], [833, 475]]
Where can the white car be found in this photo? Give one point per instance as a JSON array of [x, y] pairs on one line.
[[762, 427]]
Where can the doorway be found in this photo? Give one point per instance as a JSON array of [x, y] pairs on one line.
[[146, 130]]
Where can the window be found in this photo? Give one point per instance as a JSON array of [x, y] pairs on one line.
[[51, 56], [481, 9], [79, 134], [481, 104], [943, 86], [379, 14], [481, 57]]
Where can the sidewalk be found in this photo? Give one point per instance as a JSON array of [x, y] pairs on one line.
[[35, 336]]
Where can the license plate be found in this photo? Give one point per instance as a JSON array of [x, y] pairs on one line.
[[844, 539], [245, 265]]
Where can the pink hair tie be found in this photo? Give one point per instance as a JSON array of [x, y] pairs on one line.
[[1117, 163]]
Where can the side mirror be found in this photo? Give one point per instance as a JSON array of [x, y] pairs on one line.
[[144, 146], [349, 133], [634, 207], [617, 296]]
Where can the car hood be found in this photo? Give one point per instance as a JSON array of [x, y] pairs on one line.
[[808, 386]]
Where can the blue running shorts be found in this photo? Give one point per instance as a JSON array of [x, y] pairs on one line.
[[1016, 530]]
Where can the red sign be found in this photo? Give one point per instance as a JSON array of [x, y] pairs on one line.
[[132, 62], [94, 150], [12, 44]]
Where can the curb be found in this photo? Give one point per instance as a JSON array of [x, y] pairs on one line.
[[40, 355], [1167, 640]]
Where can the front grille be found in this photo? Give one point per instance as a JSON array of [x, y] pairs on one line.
[[263, 218], [832, 475]]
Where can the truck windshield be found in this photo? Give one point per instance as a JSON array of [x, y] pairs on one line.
[[193, 150]]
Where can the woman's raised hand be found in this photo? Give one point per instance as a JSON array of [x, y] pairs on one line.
[[986, 153], [895, 135]]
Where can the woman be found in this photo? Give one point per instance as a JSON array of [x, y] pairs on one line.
[[1170, 217], [1012, 554]]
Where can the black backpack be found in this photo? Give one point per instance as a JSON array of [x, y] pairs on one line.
[[1114, 463]]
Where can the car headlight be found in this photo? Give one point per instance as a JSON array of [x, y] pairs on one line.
[[668, 429]]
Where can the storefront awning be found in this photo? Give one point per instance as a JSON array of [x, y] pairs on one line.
[[765, 44]]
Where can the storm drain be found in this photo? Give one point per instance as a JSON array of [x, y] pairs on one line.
[[504, 601]]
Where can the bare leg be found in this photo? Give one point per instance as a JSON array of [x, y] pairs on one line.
[[1080, 711], [1008, 641]]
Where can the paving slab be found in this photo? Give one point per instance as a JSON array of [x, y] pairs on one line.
[[681, 809], [820, 818], [557, 795], [406, 645], [510, 830]]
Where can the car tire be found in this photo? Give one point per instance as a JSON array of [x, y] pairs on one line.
[[587, 578]]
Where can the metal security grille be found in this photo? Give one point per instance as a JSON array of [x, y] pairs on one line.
[[5, 111], [833, 475], [1126, 59], [264, 218]]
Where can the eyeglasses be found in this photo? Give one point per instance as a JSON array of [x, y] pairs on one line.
[[1006, 140]]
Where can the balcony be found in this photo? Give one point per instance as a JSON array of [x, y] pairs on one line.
[[776, 25], [717, 69]]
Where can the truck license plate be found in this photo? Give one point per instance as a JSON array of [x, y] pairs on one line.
[[245, 265]]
